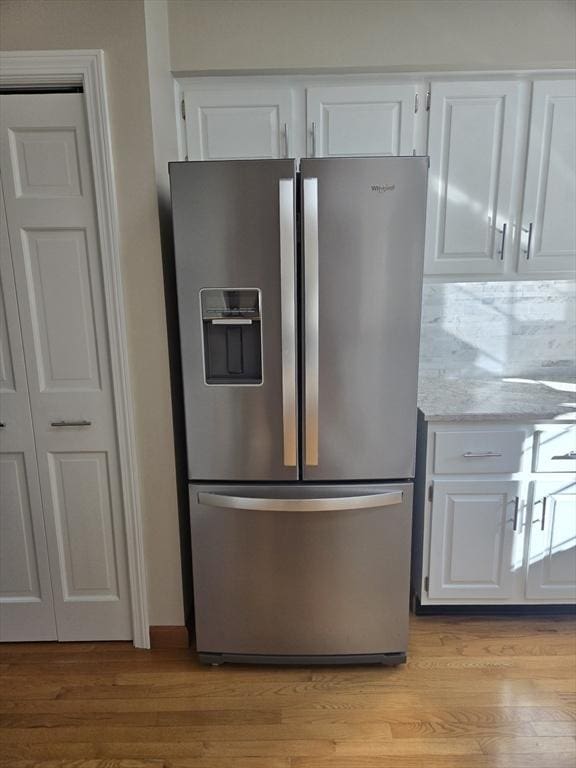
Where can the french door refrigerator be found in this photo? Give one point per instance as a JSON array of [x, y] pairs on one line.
[[299, 294]]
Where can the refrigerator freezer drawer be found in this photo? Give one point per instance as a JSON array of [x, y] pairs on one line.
[[314, 571]]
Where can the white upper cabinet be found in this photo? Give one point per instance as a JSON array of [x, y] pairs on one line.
[[502, 181], [549, 218], [364, 120], [239, 123], [472, 146]]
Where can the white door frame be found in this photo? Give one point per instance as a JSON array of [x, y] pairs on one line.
[[87, 69]]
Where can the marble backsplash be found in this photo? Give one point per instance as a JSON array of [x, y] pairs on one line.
[[516, 329]]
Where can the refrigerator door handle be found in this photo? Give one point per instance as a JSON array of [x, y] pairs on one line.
[[311, 321], [288, 318], [369, 501]]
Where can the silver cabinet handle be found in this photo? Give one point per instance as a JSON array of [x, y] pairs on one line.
[[313, 139], [480, 454], [301, 505], [501, 251], [288, 319], [543, 520], [516, 512], [529, 231], [77, 423], [563, 456], [311, 320]]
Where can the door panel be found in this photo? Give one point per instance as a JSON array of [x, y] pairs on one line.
[[227, 236], [19, 572], [247, 123], [472, 539], [45, 162], [51, 217], [470, 193], [548, 221], [84, 524], [552, 547], [26, 605], [365, 319], [276, 581], [60, 299], [362, 120]]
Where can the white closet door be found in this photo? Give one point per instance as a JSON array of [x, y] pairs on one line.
[[26, 606], [363, 120], [239, 123], [548, 220], [52, 227], [473, 150]]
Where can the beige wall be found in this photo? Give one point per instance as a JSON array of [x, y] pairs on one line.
[[223, 35], [117, 26]]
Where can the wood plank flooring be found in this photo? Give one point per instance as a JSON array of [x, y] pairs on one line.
[[476, 693]]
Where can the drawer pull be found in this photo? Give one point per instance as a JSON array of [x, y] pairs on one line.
[[569, 455], [480, 454], [78, 423]]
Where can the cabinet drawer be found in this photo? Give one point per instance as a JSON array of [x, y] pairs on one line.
[[471, 453], [555, 449]]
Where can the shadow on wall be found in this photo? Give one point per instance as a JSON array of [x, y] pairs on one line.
[[483, 330]]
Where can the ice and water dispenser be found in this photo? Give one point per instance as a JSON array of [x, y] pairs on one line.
[[232, 331]]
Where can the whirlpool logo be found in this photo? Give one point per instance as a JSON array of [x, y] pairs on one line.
[[382, 187]]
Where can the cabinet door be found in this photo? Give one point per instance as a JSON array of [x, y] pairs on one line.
[[548, 221], [239, 123], [552, 547], [363, 120], [472, 539], [26, 605], [472, 140]]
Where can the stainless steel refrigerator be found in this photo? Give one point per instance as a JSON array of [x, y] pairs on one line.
[[299, 294]]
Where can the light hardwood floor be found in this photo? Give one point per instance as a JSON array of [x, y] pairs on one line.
[[476, 693]]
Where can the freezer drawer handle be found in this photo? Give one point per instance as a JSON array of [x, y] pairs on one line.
[[311, 321], [288, 319], [301, 505]]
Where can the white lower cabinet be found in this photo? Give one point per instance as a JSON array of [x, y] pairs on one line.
[[494, 534], [474, 525], [551, 563]]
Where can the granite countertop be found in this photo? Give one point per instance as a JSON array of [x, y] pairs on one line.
[[441, 398]]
